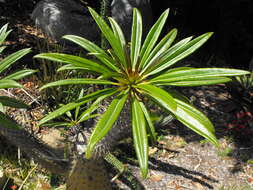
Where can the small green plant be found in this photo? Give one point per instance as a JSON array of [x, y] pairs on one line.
[[225, 152], [71, 119], [48, 72], [243, 85], [135, 72], [10, 81]]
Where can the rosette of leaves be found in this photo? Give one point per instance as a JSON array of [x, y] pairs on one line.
[[10, 81], [134, 72]]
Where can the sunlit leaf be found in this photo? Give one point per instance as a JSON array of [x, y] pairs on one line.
[[74, 61], [106, 122], [9, 60], [140, 136], [73, 105], [78, 81], [159, 95], [159, 50], [150, 125], [152, 37], [136, 37], [93, 48], [183, 51], [9, 84], [109, 35], [20, 74]]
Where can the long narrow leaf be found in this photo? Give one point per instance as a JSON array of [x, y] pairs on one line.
[[106, 122], [79, 102], [109, 35], [76, 81], [20, 74], [57, 124], [197, 82], [78, 108], [118, 32], [93, 48], [152, 37], [159, 95], [7, 122], [194, 119], [182, 52], [11, 102], [7, 61], [74, 60], [2, 48], [136, 37], [92, 108], [151, 126], [163, 49], [70, 67], [4, 33], [198, 73], [9, 84], [140, 136]]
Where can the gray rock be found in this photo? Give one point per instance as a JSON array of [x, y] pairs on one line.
[[57, 18], [122, 12]]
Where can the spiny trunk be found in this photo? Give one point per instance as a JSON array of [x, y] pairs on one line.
[[81, 174], [48, 157], [88, 175]]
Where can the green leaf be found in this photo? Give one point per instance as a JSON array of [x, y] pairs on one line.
[[140, 136], [2, 48], [20, 74], [109, 35], [197, 82], [86, 114], [106, 122], [136, 38], [57, 124], [74, 61], [76, 81], [94, 49], [159, 50], [9, 84], [152, 37], [195, 120], [7, 61], [2, 109], [4, 33], [78, 108], [79, 102], [197, 74], [118, 32], [12, 102], [160, 96], [151, 126], [7, 122], [70, 67], [171, 57]]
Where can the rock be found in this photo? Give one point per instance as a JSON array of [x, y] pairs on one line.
[[57, 18], [122, 12]]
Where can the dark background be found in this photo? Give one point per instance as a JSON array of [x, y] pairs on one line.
[[230, 20]]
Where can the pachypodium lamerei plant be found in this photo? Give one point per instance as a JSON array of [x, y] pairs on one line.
[[10, 81], [131, 73]]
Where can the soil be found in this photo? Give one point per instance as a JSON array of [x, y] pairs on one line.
[[181, 160]]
